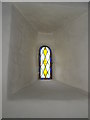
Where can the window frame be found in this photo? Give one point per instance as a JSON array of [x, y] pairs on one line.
[[50, 63]]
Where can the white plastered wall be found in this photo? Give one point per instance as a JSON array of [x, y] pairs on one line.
[[41, 108], [72, 53], [69, 47], [21, 40], [6, 29], [48, 40]]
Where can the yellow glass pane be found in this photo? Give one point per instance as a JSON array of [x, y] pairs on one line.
[[45, 51], [45, 72], [45, 61]]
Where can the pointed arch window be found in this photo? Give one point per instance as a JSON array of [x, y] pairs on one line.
[[45, 63]]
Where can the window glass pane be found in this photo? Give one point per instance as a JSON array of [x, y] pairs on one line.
[[45, 62]]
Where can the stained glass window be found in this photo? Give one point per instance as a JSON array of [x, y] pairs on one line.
[[45, 63]]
